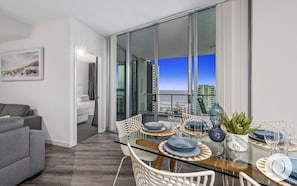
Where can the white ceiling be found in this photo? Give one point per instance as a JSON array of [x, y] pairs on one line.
[[104, 16]]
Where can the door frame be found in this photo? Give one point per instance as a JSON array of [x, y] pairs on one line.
[[73, 95]]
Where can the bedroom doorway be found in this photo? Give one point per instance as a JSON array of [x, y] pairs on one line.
[[86, 95]]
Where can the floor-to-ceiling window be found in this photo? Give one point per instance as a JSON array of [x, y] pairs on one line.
[[204, 60], [173, 65], [169, 66], [142, 54], [121, 76]]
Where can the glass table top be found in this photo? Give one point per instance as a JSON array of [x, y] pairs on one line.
[[222, 159]]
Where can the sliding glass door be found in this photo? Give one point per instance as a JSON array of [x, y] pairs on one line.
[[121, 76], [168, 67], [142, 55], [173, 66], [204, 61]]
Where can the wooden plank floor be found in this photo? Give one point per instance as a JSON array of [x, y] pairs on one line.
[[93, 162]]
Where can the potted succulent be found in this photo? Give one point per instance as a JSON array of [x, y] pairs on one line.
[[238, 127]]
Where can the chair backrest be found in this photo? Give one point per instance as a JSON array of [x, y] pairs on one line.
[[202, 105], [128, 127], [145, 175], [187, 117], [249, 181]]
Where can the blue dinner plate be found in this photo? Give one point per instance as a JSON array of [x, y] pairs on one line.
[[153, 125], [181, 144], [195, 125], [259, 136], [149, 130], [195, 152], [253, 136], [280, 168]]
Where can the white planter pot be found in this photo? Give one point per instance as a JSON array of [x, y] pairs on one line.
[[237, 142]]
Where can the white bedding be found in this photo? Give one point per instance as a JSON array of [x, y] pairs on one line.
[[90, 105]]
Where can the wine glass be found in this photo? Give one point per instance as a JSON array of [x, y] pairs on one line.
[[177, 123], [171, 119], [287, 135], [272, 138]]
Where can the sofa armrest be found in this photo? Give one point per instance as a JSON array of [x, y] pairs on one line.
[[37, 151], [34, 122]]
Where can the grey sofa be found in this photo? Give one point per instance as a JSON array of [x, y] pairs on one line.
[[30, 119], [22, 151]]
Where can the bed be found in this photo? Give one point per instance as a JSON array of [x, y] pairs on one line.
[[85, 107]]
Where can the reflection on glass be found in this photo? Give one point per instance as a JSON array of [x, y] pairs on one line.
[[121, 77], [206, 61], [173, 65], [142, 70]]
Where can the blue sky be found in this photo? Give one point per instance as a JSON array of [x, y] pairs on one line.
[[174, 72]]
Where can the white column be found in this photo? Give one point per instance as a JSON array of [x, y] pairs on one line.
[[112, 84], [232, 55]]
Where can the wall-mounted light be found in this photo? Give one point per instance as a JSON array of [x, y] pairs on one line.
[[80, 51]]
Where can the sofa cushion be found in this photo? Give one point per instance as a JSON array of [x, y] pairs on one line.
[[7, 124], [15, 144], [15, 110]]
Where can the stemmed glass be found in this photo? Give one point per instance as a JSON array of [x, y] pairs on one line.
[[271, 138], [177, 123], [287, 135], [171, 119]]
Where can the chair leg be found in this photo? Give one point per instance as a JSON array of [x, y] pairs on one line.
[[118, 172]]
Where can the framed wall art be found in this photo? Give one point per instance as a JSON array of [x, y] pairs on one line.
[[22, 65]]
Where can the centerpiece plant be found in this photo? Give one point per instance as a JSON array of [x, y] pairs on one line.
[[237, 124], [238, 127]]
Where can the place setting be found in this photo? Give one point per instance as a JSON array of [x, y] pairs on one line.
[[156, 129], [279, 168], [195, 127], [184, 148], [268, 138]]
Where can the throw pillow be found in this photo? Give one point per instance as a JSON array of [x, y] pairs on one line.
[[7, 116]]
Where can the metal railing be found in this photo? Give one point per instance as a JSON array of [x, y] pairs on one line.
[[177, 103]]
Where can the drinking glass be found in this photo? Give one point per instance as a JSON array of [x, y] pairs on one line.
[[198, 130], [272, 138], [177, 124], [289, 136], [171, 119]]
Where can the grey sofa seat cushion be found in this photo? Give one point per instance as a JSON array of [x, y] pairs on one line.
[[7, 124], [15, 110], [15, 144]]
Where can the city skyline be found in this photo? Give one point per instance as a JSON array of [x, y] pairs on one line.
[[173, 72]]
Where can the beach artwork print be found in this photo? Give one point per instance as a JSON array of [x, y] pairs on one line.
[[22, 65]]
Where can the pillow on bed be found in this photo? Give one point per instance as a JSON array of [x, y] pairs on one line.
[[83, 98], [6, 116]]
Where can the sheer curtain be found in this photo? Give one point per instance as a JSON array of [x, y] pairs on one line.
[[233, 56], [92, 91]]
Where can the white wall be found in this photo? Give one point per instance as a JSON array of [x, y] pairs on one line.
[[12, 29], [50, 96], [83, 37], [54, 97], [274, 62], [82, 82]]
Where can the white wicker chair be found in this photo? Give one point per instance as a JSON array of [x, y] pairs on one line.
[[249, 181], [145, 175], [129, 127]]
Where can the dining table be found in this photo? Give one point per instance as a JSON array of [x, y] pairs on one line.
[[214, 156]]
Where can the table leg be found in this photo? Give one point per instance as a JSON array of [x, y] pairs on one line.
[[172, 165], [159, 161]]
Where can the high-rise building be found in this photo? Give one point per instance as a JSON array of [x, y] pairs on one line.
[[208, 95], [155, 89]]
